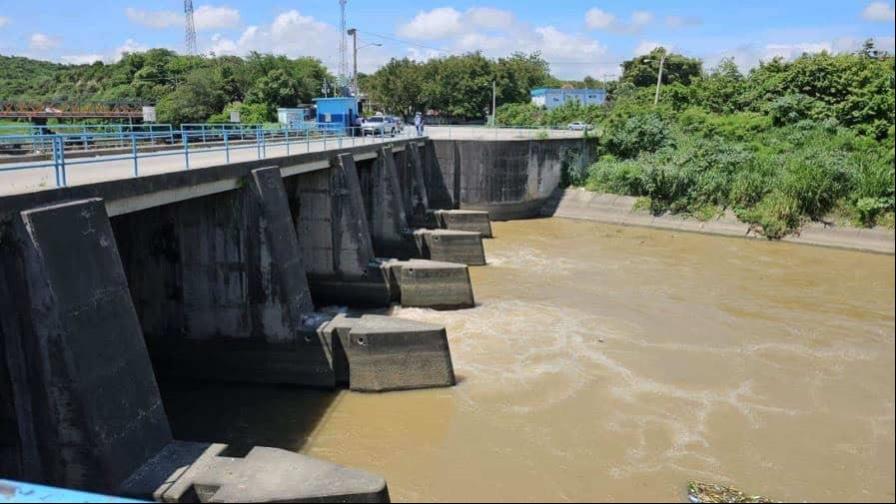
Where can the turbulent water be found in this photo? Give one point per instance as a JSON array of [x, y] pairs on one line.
[[607, 363]]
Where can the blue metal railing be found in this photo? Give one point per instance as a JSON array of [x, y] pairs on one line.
[[193, 140]]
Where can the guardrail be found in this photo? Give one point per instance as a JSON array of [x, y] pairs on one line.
[[186, 143]]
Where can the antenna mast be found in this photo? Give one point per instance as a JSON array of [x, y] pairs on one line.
[[190, 35], [343, 48]]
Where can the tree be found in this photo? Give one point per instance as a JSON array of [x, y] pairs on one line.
[[194, 100], [459, 86], [397, 87], [642, 71], [516, 76], [276, 89], [722, 90]]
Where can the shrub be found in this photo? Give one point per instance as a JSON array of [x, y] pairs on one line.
[[643, 133]]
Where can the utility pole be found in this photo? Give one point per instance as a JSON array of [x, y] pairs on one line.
[[659, 81], [343, 49], [494, 104], [354, 34]]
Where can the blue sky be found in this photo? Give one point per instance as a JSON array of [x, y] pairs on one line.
[[578, 37]]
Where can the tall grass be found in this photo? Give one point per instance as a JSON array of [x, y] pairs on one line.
[[773, 177]]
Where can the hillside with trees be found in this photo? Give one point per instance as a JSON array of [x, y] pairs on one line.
[[184, 88]]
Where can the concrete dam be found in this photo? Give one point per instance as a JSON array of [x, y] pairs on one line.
[[222, 274]]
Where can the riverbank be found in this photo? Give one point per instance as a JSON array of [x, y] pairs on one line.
[[622, 210]]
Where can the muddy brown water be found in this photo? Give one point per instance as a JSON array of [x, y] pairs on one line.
[[615, 364]]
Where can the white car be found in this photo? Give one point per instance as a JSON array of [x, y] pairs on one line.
[[579, 126], [378, 126]]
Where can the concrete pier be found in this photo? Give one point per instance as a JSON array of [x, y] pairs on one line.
[[88, 411]]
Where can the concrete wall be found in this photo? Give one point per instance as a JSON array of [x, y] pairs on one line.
[[511, 179]]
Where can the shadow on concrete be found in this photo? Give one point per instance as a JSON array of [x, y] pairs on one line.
[[244, 415], [552, 203]]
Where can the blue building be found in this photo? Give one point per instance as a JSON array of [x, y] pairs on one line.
[[336, 114], [551, 98]]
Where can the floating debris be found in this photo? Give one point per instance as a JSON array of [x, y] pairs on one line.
[[711, 493]]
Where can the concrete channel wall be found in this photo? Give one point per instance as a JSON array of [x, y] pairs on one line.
[[511, 179], [214, 273]]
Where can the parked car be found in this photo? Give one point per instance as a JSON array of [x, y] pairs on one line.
[[397, 123], [378, 126], [579, 126]]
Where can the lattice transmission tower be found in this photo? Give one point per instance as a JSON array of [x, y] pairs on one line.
[[190, 33], [343, 48]]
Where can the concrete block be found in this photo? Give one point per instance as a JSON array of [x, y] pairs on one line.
[[384, 353], [95, 406], [465, 220], [431, 284], [445, 245], [202, 472]]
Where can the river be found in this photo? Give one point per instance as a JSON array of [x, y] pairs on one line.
[[615, 364]]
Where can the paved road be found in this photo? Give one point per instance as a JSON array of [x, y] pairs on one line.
[[31, 176]]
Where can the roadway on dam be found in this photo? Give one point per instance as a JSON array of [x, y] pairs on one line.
[[613, 363], [35, 175], [29, 176]]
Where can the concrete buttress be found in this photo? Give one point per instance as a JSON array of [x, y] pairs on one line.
[[95, 413], [220, 287]]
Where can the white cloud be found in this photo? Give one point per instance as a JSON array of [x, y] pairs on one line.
[[42, 42], [209, 17], [879, 11], [433, 25], [82, 59], [154, 19], [292, 34], [205, 17], [447, 22], [490, 18], [597, 19], [3, 21], [498, 33]]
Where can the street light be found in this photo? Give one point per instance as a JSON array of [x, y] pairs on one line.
[[659, 78], [354, 34]]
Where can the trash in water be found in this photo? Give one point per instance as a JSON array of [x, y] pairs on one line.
[[711, 493]]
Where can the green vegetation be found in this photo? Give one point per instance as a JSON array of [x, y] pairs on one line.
[[458, 87], [790, 141], [185, 88]]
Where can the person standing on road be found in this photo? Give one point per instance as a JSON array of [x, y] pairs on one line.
[[418, 122], [356, 130]]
